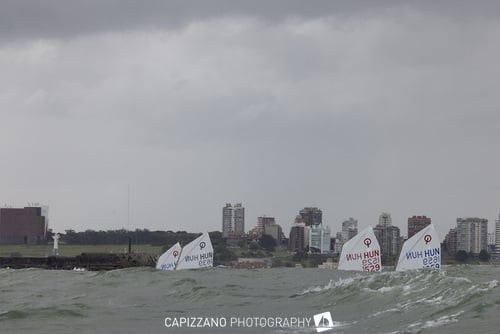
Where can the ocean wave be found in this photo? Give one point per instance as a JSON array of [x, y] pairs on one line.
[[439, 296], [441, 321], [40, 313], [419, 301]]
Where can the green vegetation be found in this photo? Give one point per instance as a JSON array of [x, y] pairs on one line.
[[73, 250], [113, 242], [121, 237], [267, 242], [461, 256], [484, 256], [223, 254]]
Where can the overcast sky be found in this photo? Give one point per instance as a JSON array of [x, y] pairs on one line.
[[352, 107]]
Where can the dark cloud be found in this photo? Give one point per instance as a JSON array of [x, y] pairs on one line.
[[63, 19], [353, 107]]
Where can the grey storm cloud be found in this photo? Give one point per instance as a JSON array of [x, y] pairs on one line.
[[355, 107], [59, 18], [68, 18]]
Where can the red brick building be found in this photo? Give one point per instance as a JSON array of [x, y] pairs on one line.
[[417, 223], [22, 226]]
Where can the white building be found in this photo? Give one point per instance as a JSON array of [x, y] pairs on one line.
[[233, 220], [497, 235], [472, 235], [318, 238]]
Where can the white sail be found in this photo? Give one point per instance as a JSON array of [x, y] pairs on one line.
[[423, 250], [361, 253], [197, 254], [168, 260]]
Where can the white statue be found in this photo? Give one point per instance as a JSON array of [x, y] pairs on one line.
[[55, 251]]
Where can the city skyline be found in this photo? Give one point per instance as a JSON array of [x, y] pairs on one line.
[[152, 114], [28, 225], [335, 226]]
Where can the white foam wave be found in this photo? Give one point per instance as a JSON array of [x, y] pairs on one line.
[[376, 314], [444, 320], [386, 289], [342, 282], [447, 319]]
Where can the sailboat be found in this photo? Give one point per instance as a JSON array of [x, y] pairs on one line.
[[168, 260], [196, 254], [423, 250], [361, 253]]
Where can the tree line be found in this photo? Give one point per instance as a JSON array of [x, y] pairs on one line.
[[137, 236]]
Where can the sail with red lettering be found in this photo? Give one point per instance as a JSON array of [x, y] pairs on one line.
[[361, 253], [168, 260], [197, 254], [423, 250]]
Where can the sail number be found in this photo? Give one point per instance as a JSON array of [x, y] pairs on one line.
[[205, 263], [371, 264], [432, 262]]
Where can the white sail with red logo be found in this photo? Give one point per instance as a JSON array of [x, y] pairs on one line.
[[198, 253], [361, 253], [168, 260], [423, 250]]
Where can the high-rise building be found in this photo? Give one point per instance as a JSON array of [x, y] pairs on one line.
[[239, 219], [385, 220], [349, 229], [233, 220], [22, 226], [318, 239], [497, 235], [275, 231], [337, 248], [491, 243], [416, 224], [451, 241], [387, 235], [267, 225], [389, 239], [227, 220], [472, 235], [296, 241], [308, 231], [262, 221], [311, 216]]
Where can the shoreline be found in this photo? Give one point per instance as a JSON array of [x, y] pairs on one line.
[[87, 261], [104, 261]]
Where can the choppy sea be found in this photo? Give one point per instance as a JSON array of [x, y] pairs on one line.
[[457, 299]]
